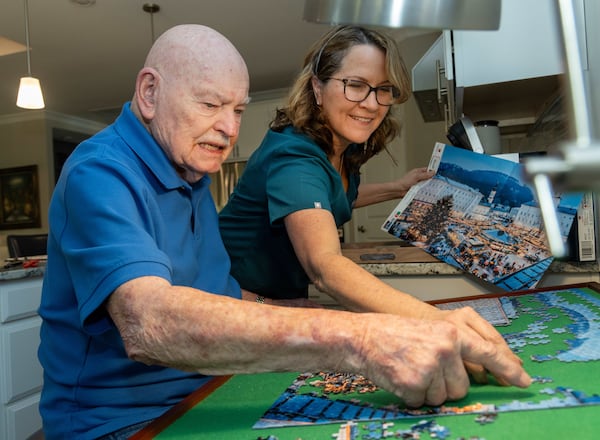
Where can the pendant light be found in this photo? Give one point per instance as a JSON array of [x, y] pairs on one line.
[[151, 8], [30, 93]]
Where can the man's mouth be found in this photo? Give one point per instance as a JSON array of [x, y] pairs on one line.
[[212, 147]]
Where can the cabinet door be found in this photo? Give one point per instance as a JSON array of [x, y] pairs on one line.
[[20, 371], [433, 80], [23, 418], [527, 45], [19, 298]]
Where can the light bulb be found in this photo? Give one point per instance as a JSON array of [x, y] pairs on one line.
[[30, 93]]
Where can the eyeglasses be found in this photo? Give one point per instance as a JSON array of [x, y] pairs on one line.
[[357, 91]]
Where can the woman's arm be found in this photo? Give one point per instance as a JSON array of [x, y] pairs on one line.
[[295, 302], [371, 193], [314, 236]]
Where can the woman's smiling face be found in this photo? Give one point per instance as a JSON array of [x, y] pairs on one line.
[[353, 122]]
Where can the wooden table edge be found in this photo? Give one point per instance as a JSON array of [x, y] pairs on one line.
[[589, 284], [165, 420]]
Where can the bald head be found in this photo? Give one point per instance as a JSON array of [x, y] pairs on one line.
[[193, 52], [190, 96]]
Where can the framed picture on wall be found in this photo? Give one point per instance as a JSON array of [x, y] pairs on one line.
[[19, 193]]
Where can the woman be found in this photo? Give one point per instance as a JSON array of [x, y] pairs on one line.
[[280, 224]]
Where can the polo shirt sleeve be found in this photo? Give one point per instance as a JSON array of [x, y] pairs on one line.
[[299, 178], [104, 231]]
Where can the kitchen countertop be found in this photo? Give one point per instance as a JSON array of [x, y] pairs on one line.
[[379, 258], [392, 258], [20, 273]]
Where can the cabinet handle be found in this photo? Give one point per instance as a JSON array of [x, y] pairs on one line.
[[361, 229], [439, 71], [446, 116]]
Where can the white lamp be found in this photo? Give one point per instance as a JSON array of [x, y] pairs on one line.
[[30, 92]]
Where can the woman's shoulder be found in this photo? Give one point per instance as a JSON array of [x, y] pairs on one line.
[[290, 141]]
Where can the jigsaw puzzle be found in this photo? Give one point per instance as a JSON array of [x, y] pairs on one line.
[[555, 332]]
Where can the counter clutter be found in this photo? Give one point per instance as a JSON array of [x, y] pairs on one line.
[[17, 270]]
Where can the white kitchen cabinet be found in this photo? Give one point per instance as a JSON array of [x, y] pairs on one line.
[[255, 123], [527, 45], [507, 74], [432, 83], [514, 74], [21, 374]]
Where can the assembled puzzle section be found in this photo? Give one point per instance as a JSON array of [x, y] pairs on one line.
[[555, 332]]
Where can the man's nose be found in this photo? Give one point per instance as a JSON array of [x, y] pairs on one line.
[[228, 123]]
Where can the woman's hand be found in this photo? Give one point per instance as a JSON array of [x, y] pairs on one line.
[[411, 178]]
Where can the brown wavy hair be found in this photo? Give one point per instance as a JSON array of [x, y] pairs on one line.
[[323, 60]]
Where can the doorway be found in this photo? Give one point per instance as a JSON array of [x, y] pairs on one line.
[[63, 144]]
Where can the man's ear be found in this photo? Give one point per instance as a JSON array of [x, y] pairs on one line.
[[146, 87]]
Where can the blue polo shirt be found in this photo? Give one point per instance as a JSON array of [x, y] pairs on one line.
[[119, 211], [287, 173]]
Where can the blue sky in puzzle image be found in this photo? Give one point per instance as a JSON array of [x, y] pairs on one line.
[[472, 161]]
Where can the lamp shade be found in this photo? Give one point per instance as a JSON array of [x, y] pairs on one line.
[[30, 93], [432, 14]]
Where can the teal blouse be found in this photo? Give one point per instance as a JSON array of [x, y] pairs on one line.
[[287, 173]]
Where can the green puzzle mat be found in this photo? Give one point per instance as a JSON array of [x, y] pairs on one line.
[[555, 334]]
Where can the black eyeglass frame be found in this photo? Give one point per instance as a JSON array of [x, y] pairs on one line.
[[395, 91]]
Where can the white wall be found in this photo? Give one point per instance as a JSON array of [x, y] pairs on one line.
[[26, 139]]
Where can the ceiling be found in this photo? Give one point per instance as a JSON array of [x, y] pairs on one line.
[[87, 57]]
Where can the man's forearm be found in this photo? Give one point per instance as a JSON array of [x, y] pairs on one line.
[[191, 330]]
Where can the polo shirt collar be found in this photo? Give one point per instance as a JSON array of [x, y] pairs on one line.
[[149, 151]]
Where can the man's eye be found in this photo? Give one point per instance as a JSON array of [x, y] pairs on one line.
[[208, 108]]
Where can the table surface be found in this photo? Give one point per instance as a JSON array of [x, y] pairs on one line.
[[228, 407]]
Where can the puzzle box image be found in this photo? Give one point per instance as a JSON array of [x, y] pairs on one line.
[[479, 214]]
